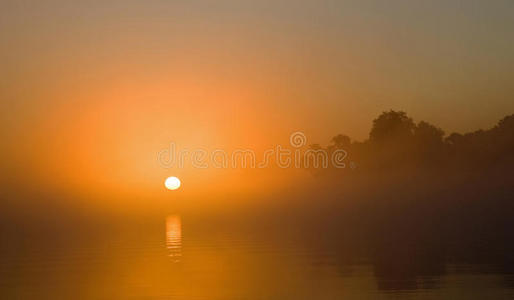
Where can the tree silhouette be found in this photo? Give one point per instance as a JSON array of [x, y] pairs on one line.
[[341, 141], [428, 134], [396, 143], [392, 126]]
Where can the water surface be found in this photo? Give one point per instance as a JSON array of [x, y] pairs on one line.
[[172, 261]]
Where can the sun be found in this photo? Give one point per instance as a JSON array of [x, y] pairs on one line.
[[172, 183]]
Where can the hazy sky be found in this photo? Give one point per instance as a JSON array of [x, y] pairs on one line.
[[98, 87]]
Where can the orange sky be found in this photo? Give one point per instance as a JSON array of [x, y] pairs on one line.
[[90, 94]]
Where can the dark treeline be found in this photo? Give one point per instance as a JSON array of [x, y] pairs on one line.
[[397, 144]]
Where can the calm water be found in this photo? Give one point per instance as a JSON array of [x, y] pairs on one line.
[[170, 261]]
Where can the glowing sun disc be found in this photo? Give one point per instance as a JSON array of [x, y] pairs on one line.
[[172, 183]]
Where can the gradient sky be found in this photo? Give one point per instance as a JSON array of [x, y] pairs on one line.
[[91, 91]]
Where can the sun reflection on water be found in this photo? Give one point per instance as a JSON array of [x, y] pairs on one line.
[[174, 237]]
